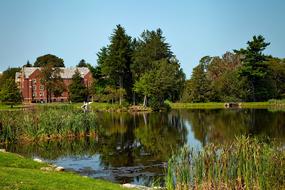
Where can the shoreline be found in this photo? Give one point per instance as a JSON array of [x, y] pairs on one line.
[[20, 172], [108, 107]]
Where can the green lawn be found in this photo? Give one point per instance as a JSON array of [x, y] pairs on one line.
[[105, 106], [8, 107], [17, 172], [217, 105], [100, 106], [209, 105]]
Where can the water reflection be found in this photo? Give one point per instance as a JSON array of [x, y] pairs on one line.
[[134, 148], [222, 126]]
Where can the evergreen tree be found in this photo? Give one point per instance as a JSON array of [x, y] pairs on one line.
[[149, 51], [28, 64], [254, 67], [10, 93], [117, 64], [82, 63], [149, 48], [77, 91]]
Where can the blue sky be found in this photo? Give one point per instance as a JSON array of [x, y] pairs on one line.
[[76, 29]]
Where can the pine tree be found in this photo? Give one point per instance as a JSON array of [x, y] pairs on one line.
[[254, 66], [117, 64], [82, 63], [28, 64]]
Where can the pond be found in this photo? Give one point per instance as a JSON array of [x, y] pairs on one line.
[[134, 148]]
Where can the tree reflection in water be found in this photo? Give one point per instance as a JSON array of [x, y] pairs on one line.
[[223, 125], [135, 147]]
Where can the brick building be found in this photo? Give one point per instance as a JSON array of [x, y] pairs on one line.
[[29, 83]]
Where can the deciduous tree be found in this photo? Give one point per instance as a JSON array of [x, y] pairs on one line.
[[51, 79], [9, 93], [49, 59]]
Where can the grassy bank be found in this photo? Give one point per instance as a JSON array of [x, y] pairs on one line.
[[217, 105], [101, 106], [44, 124], [244, 164], [17, 172], [208, 105], [5, 107]]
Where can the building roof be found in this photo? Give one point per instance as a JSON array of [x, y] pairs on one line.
[[66, 73]]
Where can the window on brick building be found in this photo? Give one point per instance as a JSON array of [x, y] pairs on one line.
[[42, 87], [34, 87], [34, 81], [34, 94]]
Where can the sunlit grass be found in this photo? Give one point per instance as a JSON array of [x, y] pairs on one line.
[[218, 105], [244, 164], [46, 123], [17, 172], [209, 105]]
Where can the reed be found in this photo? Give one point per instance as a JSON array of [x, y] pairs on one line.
[[245, 164], [47, 123]]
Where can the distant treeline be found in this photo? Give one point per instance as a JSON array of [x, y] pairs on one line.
[[145, 71], [242, 75]]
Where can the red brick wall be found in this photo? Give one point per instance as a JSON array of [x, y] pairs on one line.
[[33, 92]]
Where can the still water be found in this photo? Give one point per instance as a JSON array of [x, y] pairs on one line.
[[134, 148]]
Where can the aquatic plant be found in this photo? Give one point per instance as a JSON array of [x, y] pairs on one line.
[[45, 123], [244, 164]]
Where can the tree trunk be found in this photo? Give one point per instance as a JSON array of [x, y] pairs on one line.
[[145, 101], [134, 98], [121, 86], [47, 93], [253, 90]]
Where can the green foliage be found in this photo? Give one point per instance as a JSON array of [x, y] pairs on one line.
[[116, 63], [161, 82], [255, 68], [51, 79], [8, 74], [230, 87], [50, 123], [245, 163], [49, 59], [28, 64], [151, 47], [142, 67], [277, 75], [9, 93], [199, 85], [82, 63], [77, 91], [245, 75]]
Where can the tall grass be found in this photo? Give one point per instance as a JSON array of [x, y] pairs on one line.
[[45, 123], [244, 164]]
